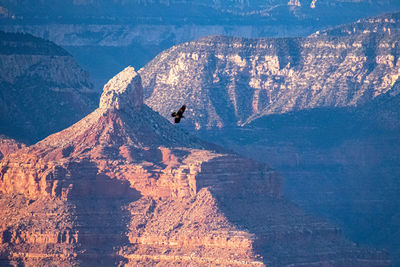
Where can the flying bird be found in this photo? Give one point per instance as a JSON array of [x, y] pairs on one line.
[[179, 115]]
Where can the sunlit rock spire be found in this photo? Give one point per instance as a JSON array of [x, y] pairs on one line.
[[123, 91]]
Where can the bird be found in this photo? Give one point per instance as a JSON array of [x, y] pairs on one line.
[[178, 115]]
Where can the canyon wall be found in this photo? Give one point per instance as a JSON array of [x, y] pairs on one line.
[[120, 33], [43, 89], [229, 82], [340, 163], [323, 110], [123, 186]]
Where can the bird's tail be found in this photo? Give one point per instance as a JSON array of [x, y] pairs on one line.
[[173, 114]]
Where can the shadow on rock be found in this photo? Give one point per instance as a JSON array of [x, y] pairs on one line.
[[101, 218]]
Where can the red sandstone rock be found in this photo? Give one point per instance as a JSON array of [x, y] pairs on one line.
[[124, 186], [8, 145]]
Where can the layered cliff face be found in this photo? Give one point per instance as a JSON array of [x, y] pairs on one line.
[[209, 11], [106, 36], [42, 89], [231, 81], [124, 186], [338, 162], [104, 48], [323, 110]]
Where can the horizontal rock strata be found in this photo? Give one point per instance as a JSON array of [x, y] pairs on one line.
[[124, 186], [229, 82]]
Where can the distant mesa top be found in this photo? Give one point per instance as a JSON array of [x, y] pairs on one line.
[[178, 115]]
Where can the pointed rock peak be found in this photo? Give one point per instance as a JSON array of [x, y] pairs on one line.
[[123, 91]]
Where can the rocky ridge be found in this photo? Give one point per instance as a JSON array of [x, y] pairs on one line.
[[106, 36], [323, 110], [42, 88], [124, 186], [238, 80]]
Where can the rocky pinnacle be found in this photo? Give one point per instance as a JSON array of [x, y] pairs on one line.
[[124, 91]]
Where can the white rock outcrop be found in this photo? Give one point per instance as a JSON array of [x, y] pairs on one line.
[[123, 91]]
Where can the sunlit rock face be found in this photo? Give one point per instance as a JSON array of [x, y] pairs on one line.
[[106, 36], [229, 82], [8, 145], [42, 91], [325, 113], [323, 110], [123, 91], [124, 186]]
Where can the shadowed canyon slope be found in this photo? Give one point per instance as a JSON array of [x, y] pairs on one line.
[[323, 110], [227, 81], [339, 163], [42, 89], [124, 186]]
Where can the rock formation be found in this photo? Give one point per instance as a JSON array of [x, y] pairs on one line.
[[8, 145], [106, 36], [124, 186], [123, 92], [228, 82], [323, 110], [339, 163], [42, 89]]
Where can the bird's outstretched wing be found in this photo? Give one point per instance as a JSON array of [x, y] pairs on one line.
[[179, 115], [181, 110]]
